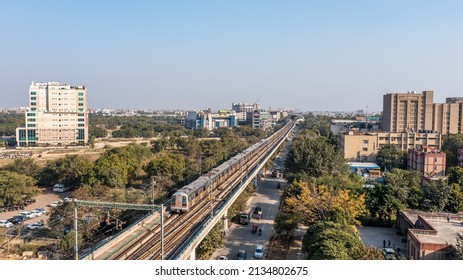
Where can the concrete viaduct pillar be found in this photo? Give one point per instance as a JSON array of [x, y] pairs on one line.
[[225, 221]]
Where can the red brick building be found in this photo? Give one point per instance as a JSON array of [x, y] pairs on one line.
[[429, 161], [429, 235]]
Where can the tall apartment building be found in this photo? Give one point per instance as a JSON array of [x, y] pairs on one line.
[[407, 111], [57, 115], [416, 111], [244, 107]]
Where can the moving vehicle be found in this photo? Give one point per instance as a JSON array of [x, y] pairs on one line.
[[188, 196], [61, 188], [5, 223], [241, 255], [254, 228], [258, 211], [244, 218], [259, 252]]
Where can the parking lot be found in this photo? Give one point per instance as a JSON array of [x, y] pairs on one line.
[[41, 201]]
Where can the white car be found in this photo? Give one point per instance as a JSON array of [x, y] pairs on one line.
[[222, 258], [37, 212], [54, 203], [259, 252], [38, 225], [4, 223], [28, 215]]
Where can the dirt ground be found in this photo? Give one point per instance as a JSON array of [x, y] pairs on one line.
[[42, 201], [41, 156]]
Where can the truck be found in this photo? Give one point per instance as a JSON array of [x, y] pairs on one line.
[[61, 188], [244, 218]]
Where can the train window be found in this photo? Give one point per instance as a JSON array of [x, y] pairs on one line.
[[184, 201], [172, 203]]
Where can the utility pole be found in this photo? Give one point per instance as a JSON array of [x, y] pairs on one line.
[[162, 231], [76, 248], [153, 183]]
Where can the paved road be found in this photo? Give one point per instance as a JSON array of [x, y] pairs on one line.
[[240, 237]]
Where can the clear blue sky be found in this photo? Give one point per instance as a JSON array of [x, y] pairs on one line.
[[311, 55]]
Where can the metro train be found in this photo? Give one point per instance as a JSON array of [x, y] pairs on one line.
[[188, 196]]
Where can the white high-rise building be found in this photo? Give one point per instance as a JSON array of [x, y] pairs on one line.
[[57, 115]]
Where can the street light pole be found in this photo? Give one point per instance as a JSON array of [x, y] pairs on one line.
[[153, 183], [76, 248], [162, 231]]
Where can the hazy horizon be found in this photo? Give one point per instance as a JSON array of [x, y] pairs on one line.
[[307, 55]]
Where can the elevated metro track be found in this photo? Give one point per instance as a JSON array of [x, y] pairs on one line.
[[183, 232]]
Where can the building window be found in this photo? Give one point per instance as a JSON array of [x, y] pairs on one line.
[[81, 99], [30, 114], [33, 93], [33, 109], [81, 109], [31, 120], [365, 141], [81, 115], [81, 124], [80, 120], [33, 98], [31, 125], [33, 103], [81, 94], [81, 104]]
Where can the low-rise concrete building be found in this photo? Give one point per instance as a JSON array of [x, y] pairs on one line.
[[429, 235], [359, 146], [429, 161]]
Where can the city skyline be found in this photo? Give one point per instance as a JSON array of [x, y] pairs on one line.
[[310, 56]]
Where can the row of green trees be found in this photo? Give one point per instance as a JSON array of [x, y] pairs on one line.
[[323, 195]]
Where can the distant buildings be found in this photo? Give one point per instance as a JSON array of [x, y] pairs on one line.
[[429, 161], [360, 146], [57, 115], [210, 121]]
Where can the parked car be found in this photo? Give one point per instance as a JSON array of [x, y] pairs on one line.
[[5, 223], [17, 220], [388, 253], [259, 252], [222, 258], [28, 215], [43, 210], [37, 213], [38, 225], [241, 255], [54, 204]]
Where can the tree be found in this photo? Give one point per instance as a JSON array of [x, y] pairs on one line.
[[314, 203], [456, 251], [97, 132], [390, 157], [72, 170], [314, 157], [455, 201], [435, 196], [285, 223], [450, 145], [25, 166], [327, 240], [15, 187], [213, 240], [456, 175], [170, 165]]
